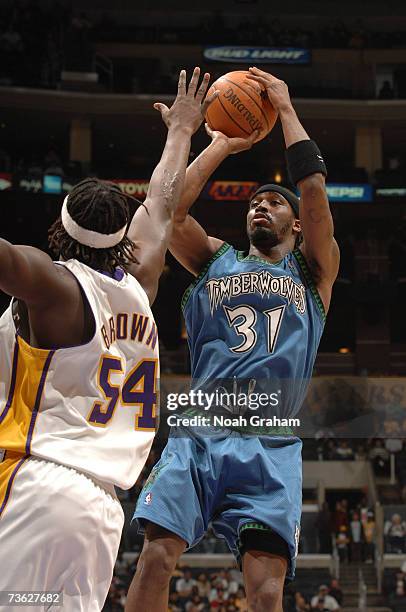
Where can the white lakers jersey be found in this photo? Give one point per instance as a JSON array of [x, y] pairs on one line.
[[91, 407]]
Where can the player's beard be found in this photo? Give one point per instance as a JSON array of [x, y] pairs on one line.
[[267, 237]]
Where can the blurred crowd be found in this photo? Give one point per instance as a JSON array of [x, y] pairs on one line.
[[31, 43], [217, 28], [395, 534], [376, 450], [207, 590], [351, 532], [214, 590], [39, 39], [394, 588], [190, 591]]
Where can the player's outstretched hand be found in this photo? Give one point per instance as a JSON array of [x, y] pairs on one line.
[[235, 145], [277, 90], [190, 104]]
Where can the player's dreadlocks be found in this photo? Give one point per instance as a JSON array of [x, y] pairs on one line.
[[102, 207]]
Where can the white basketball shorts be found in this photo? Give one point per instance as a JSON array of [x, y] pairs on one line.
[[59, 531]]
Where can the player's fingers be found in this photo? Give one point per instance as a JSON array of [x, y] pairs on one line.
[[252, 138], [162, 108], [182, 83], [203, 86], [258, 72], [209, 100], [193, 82], [270, 78], [209, 130], [259, 79]]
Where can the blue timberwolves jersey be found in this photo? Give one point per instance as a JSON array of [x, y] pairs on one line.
[[254, 327]]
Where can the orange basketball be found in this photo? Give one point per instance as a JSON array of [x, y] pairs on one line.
[[242, 107]]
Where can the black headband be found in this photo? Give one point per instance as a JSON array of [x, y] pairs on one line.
[[286, 193]]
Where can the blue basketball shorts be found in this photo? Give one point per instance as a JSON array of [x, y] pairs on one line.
[[228, 479]]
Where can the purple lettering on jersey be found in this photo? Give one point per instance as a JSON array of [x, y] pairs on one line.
[[105, 336], [142, 378], [144, 373], [101, 415], [112, 330], [122, 321], [139, 326]]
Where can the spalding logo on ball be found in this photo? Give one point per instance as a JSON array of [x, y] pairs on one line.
[[241, 108]]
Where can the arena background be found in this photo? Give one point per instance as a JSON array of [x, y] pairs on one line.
[[77, 84]]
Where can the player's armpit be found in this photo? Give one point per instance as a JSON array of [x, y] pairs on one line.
[[30, 275], [191, 246], [323, 280]]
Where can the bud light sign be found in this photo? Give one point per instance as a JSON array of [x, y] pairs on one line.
[[258, 55]]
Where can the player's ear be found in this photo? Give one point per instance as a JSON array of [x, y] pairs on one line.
[[297, 228]]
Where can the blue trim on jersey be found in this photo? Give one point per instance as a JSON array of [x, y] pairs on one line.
[[303, 265]]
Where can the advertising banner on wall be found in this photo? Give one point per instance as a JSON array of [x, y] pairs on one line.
[[52, 184], [30, 183], [342, 192], [391, 192], [6, 181], [133, 187], [220, 190], [230, 190], [243, 190], [258, 55]]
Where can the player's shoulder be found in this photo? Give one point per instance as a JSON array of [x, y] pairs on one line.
[[97, 282], [224, 250], [79, 268], [216, 264]]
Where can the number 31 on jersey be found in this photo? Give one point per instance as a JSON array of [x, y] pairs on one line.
[[243, 319]]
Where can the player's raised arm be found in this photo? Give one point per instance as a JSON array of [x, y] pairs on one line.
[[307, 170], [151, 226], [190, 243]]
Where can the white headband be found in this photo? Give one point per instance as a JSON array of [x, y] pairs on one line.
[[96, 240]]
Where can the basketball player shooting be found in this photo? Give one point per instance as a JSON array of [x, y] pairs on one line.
[[246, 483], [79, 369]]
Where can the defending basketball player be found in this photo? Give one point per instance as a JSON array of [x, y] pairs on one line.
[[79, 370], [254, 317]]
